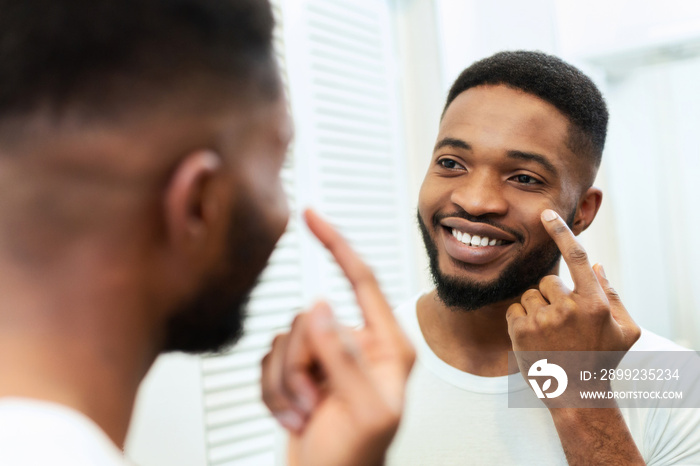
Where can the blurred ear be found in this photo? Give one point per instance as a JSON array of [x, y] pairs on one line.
[[587, 209], [192, 205]]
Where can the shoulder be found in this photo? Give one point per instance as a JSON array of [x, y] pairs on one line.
[[650, 341], [406, 315], [655, 352]]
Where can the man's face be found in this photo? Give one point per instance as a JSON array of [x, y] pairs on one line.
[[500, 159], [213, 319]]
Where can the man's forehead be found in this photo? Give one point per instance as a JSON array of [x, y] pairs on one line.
[[505, 104], [504, 117]]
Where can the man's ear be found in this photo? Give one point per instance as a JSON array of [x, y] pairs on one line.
[[587, 209], [192, 207]]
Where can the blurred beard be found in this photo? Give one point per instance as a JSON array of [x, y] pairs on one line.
[[524, 272], [212, 320]]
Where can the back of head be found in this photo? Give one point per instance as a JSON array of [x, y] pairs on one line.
[[552, 80], [100, 57], [134, 134], [75, 73]]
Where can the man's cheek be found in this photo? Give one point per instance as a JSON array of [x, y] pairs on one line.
[[272, 207], [279, 212], [428, 198]]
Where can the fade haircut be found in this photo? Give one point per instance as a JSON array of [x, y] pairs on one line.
[[100, 57], [552, 80]]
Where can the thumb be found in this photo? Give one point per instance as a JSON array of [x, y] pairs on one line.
[[610, 293], [618, 310]]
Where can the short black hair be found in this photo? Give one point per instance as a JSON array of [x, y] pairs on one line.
[[552, 80], [100, 54]]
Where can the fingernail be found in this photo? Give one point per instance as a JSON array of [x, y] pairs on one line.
[[323, 316], [549, 215], [349, 343], [289, 419], [602, 271], [305, 402], [212, 160]]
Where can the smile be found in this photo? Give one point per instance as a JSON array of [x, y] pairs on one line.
[[475, 240], [475, 243]]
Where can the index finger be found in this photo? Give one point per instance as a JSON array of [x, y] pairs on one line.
[[573, 253], [375, 309]]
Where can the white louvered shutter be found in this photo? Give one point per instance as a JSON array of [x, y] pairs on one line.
[[344, 93]]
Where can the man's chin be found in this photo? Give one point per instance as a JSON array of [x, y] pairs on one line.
[[462, 294], [472, 288], [211, 322], [483, 274], [473, 284]]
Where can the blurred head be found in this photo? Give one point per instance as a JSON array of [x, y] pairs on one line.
[[521, 132], [146, 136]]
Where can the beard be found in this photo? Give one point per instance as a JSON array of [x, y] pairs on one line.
[[212, 319], [524, 272]]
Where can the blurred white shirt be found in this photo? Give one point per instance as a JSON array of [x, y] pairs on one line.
[[34, 432]]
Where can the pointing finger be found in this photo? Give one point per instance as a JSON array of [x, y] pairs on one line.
[[375, 309], [573, 253]]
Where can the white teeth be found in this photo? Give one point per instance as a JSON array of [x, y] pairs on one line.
[[475, 241]]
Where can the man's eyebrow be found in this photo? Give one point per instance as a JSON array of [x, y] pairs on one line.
[[542, 160], [453, 142]]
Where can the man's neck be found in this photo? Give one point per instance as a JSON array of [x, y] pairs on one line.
[[87, 351], [476, 341]]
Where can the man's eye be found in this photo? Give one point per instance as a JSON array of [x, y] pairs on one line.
[[449, 164], [526, 179]]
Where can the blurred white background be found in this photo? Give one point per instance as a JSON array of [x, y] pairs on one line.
[[367, 81]]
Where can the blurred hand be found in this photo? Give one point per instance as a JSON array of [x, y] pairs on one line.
[[339, 391]]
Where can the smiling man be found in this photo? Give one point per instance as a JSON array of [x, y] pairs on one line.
[[509, 186]]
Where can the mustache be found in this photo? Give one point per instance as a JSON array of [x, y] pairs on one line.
[[486, 220]]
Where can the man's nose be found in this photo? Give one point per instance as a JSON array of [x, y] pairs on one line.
[[480, 194]]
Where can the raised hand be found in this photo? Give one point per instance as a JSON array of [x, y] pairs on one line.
[[590, 317], [339, 391]]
